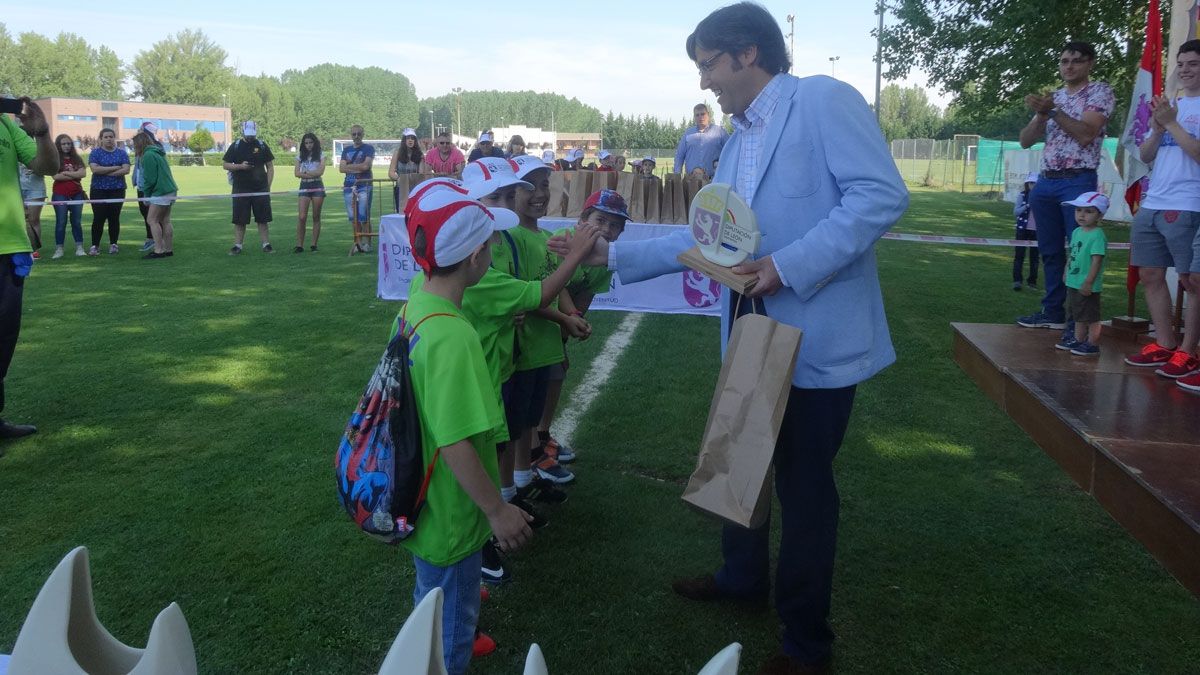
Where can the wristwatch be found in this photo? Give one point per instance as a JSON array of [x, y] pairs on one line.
[[1052, 113]]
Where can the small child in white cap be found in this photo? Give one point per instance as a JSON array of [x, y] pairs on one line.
[[1026, 231], [1085, 274]]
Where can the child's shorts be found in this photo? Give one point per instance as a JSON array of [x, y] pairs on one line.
[[1082, 308], [524, 399]]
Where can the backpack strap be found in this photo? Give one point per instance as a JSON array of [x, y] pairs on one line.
[[512, 245]]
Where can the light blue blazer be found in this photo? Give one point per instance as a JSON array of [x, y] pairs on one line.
[[827, 191]]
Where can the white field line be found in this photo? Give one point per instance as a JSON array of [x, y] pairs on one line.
[[593, 383]]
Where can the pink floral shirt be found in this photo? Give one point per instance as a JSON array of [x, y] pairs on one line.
[[1062, 151]]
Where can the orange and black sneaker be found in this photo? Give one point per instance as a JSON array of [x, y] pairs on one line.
[[1151, 355], [545, 467], [1181, 364], [561, 452]]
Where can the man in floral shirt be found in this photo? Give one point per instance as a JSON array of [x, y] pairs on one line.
[[1072, 120]]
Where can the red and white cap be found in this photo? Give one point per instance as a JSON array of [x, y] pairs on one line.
[[455, 227], [484, 176], [1096, 199], [524, 165], [425, 187]]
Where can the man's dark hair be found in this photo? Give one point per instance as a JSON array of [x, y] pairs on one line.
[[1189, 46], [1084, 48], [737, 27]]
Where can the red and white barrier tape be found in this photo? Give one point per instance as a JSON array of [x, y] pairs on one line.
[[976, 241], [179, 198]]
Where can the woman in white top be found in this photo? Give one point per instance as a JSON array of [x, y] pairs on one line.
[[310, 165], [406, 159]]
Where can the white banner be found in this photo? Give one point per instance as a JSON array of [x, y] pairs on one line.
[[681, 293]]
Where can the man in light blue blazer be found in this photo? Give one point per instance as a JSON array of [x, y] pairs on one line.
[[810, 159]]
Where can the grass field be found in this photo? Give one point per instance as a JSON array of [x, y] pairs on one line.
[[189, 409]]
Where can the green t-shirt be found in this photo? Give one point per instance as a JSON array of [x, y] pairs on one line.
[[1084, 245], [453, 394], [540, 340], [595, 279], [16, 147], [490, 306]]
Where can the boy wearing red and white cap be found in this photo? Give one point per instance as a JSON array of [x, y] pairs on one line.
[[453, 391], [1084, 275]]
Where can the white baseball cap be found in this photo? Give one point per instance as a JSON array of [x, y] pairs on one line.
[[547, 156], [488, 174], [150, 128], [408, 131], [604, 154], [455, 227], [249, 128], [427, 186], [650, 159], [1032, 177], [575, 154], [485, 138], [523, 165], [1096, 199]]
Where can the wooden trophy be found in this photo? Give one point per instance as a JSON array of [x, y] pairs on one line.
[[726, 233]]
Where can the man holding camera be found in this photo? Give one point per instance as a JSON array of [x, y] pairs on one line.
[[30, 144]]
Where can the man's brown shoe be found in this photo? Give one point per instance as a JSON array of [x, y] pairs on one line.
[[704, 589], [782, 664]]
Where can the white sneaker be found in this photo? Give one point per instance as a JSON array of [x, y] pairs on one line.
[[95, 250], [58, 253], [112, 249], [79, 250]]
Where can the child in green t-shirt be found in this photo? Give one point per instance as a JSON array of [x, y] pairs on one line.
[[1084, 274], [605, 210], [540, 344], [451, 241]]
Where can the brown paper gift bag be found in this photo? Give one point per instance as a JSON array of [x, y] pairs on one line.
[[692, 185], [733, 474], [578, 191], [653, 199], [666, 203], [557, 205], [629, 187], [404, 184], [604, 180], [679, 201]]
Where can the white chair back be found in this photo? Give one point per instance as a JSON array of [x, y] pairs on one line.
[[725, 662], [535, 663], [63, 636], [418, 647]]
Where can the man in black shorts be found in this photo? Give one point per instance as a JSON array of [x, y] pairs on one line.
[[251, 168]]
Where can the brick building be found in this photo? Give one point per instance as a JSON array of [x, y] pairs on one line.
[[79, 118]]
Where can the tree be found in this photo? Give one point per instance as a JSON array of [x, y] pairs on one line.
[[184, 68], [907, 113], [36, 66], [991, 54], [201, 140], [485, 109], [264, 100], [329, 99]]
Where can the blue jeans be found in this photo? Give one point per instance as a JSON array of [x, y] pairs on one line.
[[460, 609], [61, 211], [814, 424], [1055, 223], [364, 202]]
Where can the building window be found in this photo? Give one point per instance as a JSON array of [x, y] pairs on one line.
[[76, 118], [108, 106]]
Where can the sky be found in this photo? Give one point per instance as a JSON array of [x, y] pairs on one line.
[[623, 55]]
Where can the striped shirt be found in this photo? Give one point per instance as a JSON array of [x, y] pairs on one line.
[[752, 124]]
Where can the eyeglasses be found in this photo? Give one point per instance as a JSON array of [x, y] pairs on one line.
[[707, 65]]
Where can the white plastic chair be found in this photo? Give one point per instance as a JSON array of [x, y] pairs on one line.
[[63, 636], [535, 663], [725, 662], [418, 648]]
